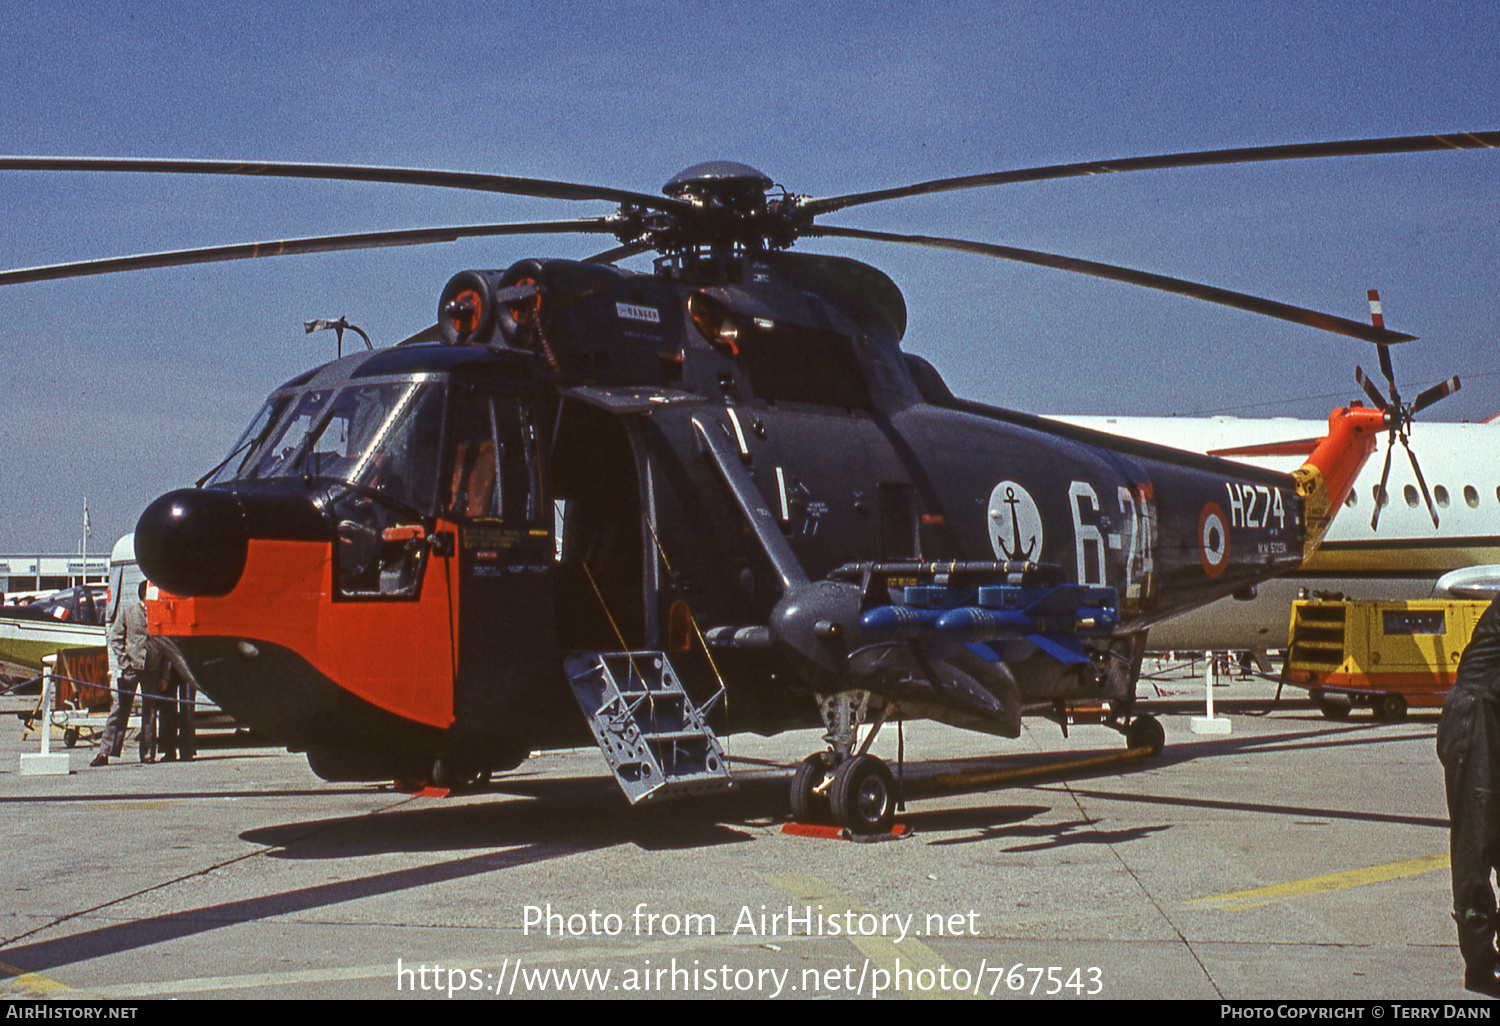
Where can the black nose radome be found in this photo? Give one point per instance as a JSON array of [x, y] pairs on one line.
[[193, 542]]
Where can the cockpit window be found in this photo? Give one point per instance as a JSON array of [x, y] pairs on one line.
[[349, 440], [287, 439], [248, 449], [382, 436], [400, 459]]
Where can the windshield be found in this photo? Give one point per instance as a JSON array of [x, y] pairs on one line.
[[281, 452], [381, 436], [384, 437], [247, 450]]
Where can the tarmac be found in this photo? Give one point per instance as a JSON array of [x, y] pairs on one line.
[[1293, 858]]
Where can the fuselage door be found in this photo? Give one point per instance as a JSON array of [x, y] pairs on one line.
[[493, 489]]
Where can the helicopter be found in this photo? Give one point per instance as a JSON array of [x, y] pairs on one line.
[[645, 510]]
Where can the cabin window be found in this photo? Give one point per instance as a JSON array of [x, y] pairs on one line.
[[1471, 497], [383, 437]]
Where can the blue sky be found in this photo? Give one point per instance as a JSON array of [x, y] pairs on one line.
[[122, 387]]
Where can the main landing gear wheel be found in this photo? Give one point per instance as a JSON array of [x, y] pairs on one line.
[[863, 797], [810, 785], [1146, 733]]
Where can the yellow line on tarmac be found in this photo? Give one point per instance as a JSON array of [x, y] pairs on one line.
[[882, 951], [1327, 882], [24, 984]]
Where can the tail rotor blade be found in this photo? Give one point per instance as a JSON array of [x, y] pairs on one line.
[[1369, 387], [1389, 372], [1431, 509], [1380, 496], [1433, 394]]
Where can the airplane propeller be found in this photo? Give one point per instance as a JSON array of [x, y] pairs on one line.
[[1399, 415]]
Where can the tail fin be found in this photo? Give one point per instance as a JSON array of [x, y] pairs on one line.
[[1325, 480]]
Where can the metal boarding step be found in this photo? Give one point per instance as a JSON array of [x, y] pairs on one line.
[[656, 740]]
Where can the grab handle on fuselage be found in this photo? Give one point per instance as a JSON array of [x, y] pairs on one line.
[[737, 479]]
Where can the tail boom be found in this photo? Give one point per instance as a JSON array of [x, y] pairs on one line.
[[1326, 479]]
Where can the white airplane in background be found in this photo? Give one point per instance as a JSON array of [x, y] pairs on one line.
[[1406, 557]]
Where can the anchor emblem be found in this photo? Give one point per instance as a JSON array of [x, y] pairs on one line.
[[1015, 524]]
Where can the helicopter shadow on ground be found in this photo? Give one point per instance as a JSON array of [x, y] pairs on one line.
[[561, 814], [553, 813], [999, 823], [557, 817], [570, 814]]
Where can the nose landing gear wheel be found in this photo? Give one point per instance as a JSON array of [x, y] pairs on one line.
[[810, 787], [863, 797]]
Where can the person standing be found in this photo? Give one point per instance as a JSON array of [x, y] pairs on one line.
[[1468, 745], [127, 642], [177, 738]]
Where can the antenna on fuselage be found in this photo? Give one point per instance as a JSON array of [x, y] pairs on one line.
[[338, 326]]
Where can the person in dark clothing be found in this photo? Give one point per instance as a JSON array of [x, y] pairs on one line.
[[177, 738], [153, 683], [1468, 745]]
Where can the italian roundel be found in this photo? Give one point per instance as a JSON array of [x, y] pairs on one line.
[[1213, 540]]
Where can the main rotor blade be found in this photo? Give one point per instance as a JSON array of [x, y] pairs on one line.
[[287, 247], [1207, 293], [1300, 151], [507, 184]]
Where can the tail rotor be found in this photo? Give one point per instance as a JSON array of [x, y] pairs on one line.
[[1399, 415]]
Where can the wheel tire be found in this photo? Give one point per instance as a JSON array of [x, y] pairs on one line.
[[808, 805], [1334, 707], [863, 796], [70, 737], [1146, 733], [451, 775], [1389, 708]]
